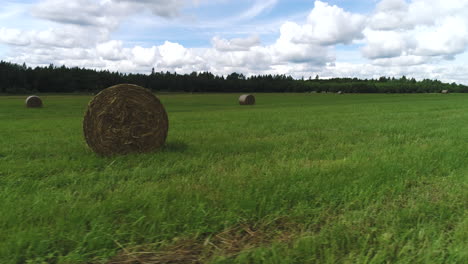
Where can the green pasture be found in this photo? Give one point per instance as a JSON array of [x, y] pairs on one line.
[[296, 178]]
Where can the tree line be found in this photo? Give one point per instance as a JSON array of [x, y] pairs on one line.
[[21, 79]]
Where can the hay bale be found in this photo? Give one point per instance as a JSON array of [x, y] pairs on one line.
[[123, 119], [246, 99], [445, 91], [33, 101], [339, 92]]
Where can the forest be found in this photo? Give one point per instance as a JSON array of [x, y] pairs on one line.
[[21, 79]]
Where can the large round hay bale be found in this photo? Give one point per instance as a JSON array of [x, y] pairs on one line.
[[246, 99], [33, 101], [125, 118]]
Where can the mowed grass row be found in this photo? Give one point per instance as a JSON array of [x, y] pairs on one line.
[[297, 178]]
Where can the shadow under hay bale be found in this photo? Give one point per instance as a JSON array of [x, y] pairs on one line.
[[444, 91], [175, 146], [246, 99], [33, 101], [123, 119]]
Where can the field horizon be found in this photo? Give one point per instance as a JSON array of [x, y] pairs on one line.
[[296, 178]]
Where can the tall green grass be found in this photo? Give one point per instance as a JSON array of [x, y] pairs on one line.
[[361, 178]]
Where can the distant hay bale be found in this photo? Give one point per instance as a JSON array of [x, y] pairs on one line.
[[123, 119], [339, 92], [445, 91], [246, 99], [33, 101]]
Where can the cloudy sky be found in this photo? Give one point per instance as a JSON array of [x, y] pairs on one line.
[[335, 38]]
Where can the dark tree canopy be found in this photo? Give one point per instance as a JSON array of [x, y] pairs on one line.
[[20, 79]]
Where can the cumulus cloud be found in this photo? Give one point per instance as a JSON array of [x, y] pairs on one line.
[[110, 50], [85, 23], [68, 36], [448, 37], [57, 55], [401, 15], [13, 36], [416, 32], [164, 8], [107, 14], [175, 55], [226, 62], [387, 44], [79, 12], [445, 73], [145, 57], [286, 49], [402, 61], [390, 14], [399, 38], [98, 19], [236, 44], [329, 25]]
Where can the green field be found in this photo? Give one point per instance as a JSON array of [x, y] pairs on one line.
[[297, 178]]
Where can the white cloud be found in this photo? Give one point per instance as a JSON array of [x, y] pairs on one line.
[[145, 56], [403, 61], [259, 7], [176, 56], [445, 73], [390, 14], [400, 14], [110, 50], [330, 25], [418, 32], [14, 37], [236, 44], [56, 55], [105, 14], [79, 12], [163, 8], [66, 36], [387, 44], [448, 38], [424, 39], [287, 49], [226, 62], [87, 25]]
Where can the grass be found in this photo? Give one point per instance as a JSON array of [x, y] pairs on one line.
[[297, 178]]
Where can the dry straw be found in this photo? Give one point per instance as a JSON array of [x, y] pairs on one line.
[[125, 118], [246, 99], [33, 101]]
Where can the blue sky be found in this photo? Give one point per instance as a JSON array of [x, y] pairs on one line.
[[198, 23], [340, 38]]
